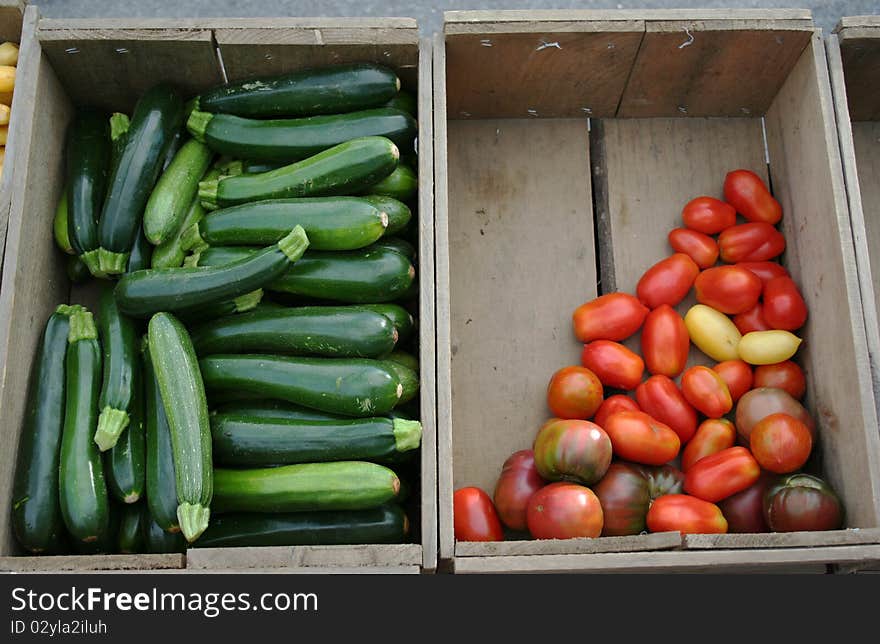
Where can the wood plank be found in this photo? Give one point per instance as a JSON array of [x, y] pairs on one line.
[[655, 541], [807, 179], [365, 556], [269, 23], [498, 19], [860, 51], [866, 142], [91, 563], [335, 570], [857, 21], [782, 539]]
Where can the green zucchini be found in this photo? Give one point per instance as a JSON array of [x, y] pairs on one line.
[[85, 504], [36, 511], [385, 524], [364, 276], [59, 225], [174, 192], [408, 379], [272, 410], [130, 539], [342, 485], [402, 320], [76, 269], [172, 252], [125, 464], [255, 442], [157, 116], [183, 397], [355, 387], [402, 184], [331, 223], [88, 166], [340, 332], [291, 140], [120, 345], [326, 90], [255, 167], [399, 214], [405, 101], [159, 541], [344, 169], [143, 293], [398, 245], [141, 254]]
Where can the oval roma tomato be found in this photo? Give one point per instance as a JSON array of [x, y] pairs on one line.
[[572, 450], [518, 481], [668, 281], [712, 332], [708, 215], [785, 375], [784, 307], [737, 375], [759, 403], [729, 289], [713, 435], [752, 242], [768, 347], [474, 517], [613, 404], [699, 247], [747, 192], [626, 492], [706, 391], [765, 271], [574, 392], [564, 511], [614, 316], [614, 364], [723, 474], [752, 320], [744, 510], [781, 443], [637, 437], [797, 502], [661, 398], [665, 342], [685, 514]]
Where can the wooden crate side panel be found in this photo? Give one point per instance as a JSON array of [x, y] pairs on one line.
[[92, 563], [265, 24], [367, 556], [866, 144], [807, 179], [11, 14], [654, 541], [860, 52], [502, 19], [856, 536]]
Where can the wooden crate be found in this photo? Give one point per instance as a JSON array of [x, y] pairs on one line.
[[566, 145], [110, 63]]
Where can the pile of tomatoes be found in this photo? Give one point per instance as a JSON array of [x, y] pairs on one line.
[[641, 441]]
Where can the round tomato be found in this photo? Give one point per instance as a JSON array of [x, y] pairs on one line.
[[474, 516], [626, 492], [708, 215], [665, 342], [564, 511], [574, 392], [614, 364], [614, 316], [661, 398], [785, 375], [768, 347], [668, 281], [706, 391], [712, 332], [784, 307], [720, 475], [751, 320], [713, 435], [747, 192], [797, 502], [518, 481], [685, 514], [760, 402], [744, 510], [765, 271], [737, 375], [752, 242], [572, 450], [699, 247], [729, 289], [637, 437], [613, 404], [781, 443]]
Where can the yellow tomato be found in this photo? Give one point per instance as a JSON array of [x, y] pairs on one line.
[[712, 332], [768, 347]]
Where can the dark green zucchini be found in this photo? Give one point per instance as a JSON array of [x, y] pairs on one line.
[[76, 269], [272, 410], [291, 140], [385, 524], [125, 464], [325, 90], [141, 254], [159, 541], [340, 332], [59, 225], [399, 214], [398, 245], [130, 539], [408, 378], [402, 184], [402, 320]]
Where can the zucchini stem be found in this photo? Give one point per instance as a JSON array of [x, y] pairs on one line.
[[111, 263], [92, 260], [197, 123], [295, 243], [407, 434], [208, 193], [193, 519], [68, 309], [119, 124], [82, 326], [191, 238], [248, 301], [111, 424]]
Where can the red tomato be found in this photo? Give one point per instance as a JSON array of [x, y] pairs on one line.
[[782, 375], [752, 242], [729, 289], [797, 502], [614, 364], [668, 281], [518, 481], [574, 392], [708, 215], [564, 511], [744, 510], [781, 443], [720, 475], [636, 436], [706, 391], [713, 435], [737, 375], [765, 271], [665, 342], [474, 517], [746, 191], [612, 404], [615, 316], [751, 320], [685, 514], [760, 402], [574, 450], [661, 398], [626, 492], [699, 247], [784, 307]]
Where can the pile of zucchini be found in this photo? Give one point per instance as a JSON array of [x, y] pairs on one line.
[[245, 372]]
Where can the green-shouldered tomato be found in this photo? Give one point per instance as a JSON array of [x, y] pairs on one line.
[[572, 450], [797, 502], [627, 491]]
